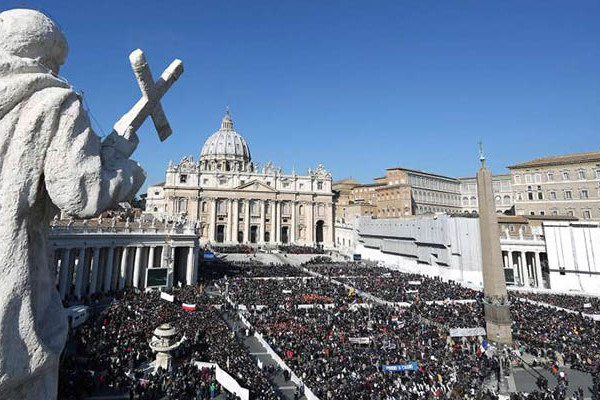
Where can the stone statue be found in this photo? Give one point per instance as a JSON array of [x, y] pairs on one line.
[[50, 160]]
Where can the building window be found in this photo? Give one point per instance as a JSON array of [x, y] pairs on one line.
[[540, 193], [182, 178], [550, 177], [565, 176], [527, 178], [517, 179], [319, 185], [568, 195], [570, 213], [242, 182], [552, 195], [156, 193], [581, 174], [529, 192], [223, 181], [532, 213], [554, 212], [205, 181], [538, 178], [542, 213], [584, 194], [598, 173], [587, 214]]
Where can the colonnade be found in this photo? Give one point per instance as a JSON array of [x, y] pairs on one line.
[[527, 267], [88, 270]]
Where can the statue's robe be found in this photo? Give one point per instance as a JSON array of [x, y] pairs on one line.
[[49, 158]]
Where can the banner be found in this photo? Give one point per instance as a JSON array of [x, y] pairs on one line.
[[286, 291], [411, 366], [459, 332], [188, 307], [587, 305], [167, 297], [359, 340], [414, 282]]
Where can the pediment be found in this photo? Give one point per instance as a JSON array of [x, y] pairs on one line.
[[256, 186]]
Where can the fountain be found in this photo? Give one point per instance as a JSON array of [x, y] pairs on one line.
[[163, 344]]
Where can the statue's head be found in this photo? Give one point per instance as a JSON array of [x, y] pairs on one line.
[[31, 34]]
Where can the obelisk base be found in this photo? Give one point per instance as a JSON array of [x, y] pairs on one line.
[[498, 323]]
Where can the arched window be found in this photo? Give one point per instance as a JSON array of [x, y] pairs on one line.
[[204, 206], [301, 210]]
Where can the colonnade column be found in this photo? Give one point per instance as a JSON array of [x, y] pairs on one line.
[[189, 272], [108, 269], [124, 265], [261, 232], [63, 281], [95, 270], [79, 272], [136, 267], [247, 221], [538, 270], [273, 238], [293, 228]]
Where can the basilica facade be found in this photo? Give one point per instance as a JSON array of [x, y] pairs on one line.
[[234, 200]]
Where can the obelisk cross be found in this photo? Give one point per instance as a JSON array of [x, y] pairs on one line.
[[152, 92]]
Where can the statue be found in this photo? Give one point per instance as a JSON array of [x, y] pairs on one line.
[[51, 160]]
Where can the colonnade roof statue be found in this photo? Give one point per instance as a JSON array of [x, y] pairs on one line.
[[50, 159]]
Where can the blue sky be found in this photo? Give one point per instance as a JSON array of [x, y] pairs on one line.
[[357, 85]]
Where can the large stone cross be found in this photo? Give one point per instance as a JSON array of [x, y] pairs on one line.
[[152, 92]]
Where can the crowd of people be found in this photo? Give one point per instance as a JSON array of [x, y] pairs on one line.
[[339, 342], [585, 304], [295, 249], [393, 286], [112, 353]]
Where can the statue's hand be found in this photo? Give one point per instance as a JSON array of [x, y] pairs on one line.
[[125, 144]]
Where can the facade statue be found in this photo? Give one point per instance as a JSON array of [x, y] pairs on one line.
[[50, 160]]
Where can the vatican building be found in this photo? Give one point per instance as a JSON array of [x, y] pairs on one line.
[[234, 200]]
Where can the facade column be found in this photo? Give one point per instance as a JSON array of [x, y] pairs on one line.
[[261, 238], [95, 272], [310, 226], [124, 266], [189, 268], [136, 267], [63, 281], [273, 237], [538, 270], [236, 220], [228, 231], [278, 221], [212, 223], [108, 269], [80, 272], [293, 229], [247, 221]]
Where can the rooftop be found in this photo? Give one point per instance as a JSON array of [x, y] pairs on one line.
[[558, 160], [416, 171]]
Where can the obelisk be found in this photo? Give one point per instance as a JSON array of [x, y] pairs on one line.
[[496, 305]]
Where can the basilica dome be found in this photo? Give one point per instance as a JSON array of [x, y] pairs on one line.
[[225, 147]]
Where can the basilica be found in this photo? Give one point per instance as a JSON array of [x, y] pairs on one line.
[[234, 200]]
